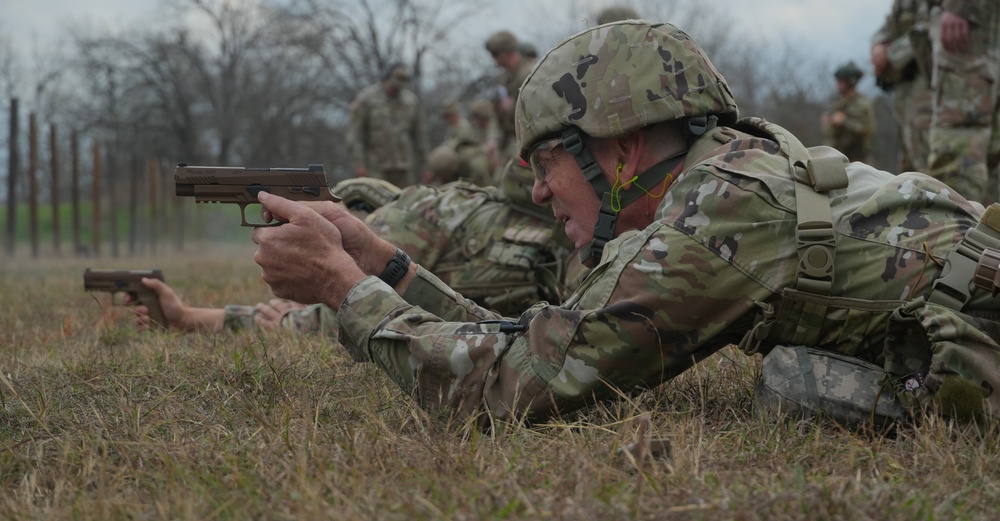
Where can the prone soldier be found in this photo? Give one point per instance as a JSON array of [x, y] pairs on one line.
[[703, 229]]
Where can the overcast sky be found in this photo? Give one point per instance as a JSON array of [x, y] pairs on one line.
[[838, 30]]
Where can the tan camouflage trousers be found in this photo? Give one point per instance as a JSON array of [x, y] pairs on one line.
[[911, 104], [964, 93]]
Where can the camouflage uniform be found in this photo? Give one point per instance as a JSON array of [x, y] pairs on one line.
[[854, 137], [964, 86], [720, 254], [509, 85], [386, 134], [502, 253], [908, 81]]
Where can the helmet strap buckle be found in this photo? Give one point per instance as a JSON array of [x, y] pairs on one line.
[[697, 126]]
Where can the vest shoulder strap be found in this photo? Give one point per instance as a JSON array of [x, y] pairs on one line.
[[816, 171]]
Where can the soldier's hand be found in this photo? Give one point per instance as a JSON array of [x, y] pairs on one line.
[[171, 303], [304, 258], [269, 315], [954, 32], [838, 118]]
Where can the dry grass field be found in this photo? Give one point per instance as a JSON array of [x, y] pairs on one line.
[[98, 421]]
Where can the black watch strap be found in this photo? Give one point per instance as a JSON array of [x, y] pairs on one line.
[[398, 265]]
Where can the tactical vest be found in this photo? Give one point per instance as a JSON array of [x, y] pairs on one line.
[[937, 354]]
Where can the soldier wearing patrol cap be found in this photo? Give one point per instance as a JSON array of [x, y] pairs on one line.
[[964, 136], [703, 229], [504, 48], [386, 136], [849, 124], [484, 130], [900, 55]]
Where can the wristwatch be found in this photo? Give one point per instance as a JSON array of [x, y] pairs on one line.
[[398, 265]]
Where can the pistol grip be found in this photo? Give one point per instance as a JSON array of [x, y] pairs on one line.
[[152, 302]]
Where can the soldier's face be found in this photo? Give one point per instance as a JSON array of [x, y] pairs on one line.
[[504, 59], [560, 183], [563, 186]]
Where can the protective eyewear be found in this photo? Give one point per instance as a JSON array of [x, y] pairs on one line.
[[535, 155]]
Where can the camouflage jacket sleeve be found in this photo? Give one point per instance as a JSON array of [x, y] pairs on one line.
[[236, 317], [316, 318], [313, 319]]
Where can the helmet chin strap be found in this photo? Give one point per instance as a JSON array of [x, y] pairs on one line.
[[604, 229]]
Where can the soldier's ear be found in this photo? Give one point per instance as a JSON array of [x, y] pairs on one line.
[[628, 150]]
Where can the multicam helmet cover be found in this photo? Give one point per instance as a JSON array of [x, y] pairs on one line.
[[611, 80]]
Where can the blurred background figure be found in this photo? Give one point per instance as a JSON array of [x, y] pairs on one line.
[[386, 136], [850, 122], [899, 71], [484, 130], [504, 47], [456, 126], [964, 146], [616, 13]]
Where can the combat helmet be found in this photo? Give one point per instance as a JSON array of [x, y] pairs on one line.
[[849, 73], [609, 81], [365, 194], [501, 41]]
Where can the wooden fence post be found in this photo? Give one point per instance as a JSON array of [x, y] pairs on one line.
[[96, 179], [111, 175], [153, 167], [13, 166], [54, 163], [74, 152], [133, 203], [33, 183]]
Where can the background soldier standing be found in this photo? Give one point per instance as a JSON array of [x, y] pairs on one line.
[[850, 122], [503, 47], [897, 70], [965, 38], [386, 137]]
